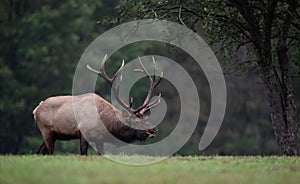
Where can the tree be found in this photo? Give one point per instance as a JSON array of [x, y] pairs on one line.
[[41, 43], [269, 29]]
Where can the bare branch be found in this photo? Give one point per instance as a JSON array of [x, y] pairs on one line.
[[155, 14], [179, 16], [253, 26]]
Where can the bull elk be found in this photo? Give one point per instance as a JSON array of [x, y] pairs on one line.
[[56, 119]]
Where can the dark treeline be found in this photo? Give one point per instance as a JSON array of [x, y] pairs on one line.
[[41, 43]]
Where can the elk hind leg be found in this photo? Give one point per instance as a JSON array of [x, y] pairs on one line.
[[49, 141], [100, 148]]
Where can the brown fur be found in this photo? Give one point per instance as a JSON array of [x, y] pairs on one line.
[[56, 120]]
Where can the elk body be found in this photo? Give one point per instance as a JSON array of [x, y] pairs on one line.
[[56, 118]]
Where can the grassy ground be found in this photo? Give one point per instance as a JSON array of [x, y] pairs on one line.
[[94, 169]]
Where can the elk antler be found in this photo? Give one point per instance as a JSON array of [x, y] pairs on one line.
[[140, 111], [102, 72], [109, 80]]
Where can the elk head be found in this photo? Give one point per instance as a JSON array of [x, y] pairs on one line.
[[136, 118]]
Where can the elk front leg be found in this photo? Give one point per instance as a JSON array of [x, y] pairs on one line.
[[84, 145], [43, 149]]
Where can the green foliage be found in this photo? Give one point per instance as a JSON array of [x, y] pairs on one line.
[[41, 43], [265, 30], [95, 169], [220, 21], [40, 46]]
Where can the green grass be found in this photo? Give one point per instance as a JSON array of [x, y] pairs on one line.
[[95, 169]]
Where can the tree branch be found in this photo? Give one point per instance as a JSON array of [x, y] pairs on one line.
[[179, 16], [286, 25], [243, 7]]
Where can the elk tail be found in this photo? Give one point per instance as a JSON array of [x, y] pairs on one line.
[[34, 111]]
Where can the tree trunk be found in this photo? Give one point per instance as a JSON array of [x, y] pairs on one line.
[[17, 145], [281, 100], [288, 96]]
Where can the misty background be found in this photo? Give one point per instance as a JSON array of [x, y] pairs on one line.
[[41, 43]]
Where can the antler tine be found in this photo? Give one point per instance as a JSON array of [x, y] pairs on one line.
[[147, 99], [103, 62], [154, 66], [144, 69], [153, 83], [131, 102], [120, 69], [154, 73], [155, 102], [116, 89], [102, 72], [151, 105], [147, 105], [160, 77], [119, 100]]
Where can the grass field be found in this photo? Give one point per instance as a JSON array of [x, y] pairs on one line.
[[94, 169]]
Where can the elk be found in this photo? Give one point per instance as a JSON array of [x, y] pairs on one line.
[[55, 116]]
